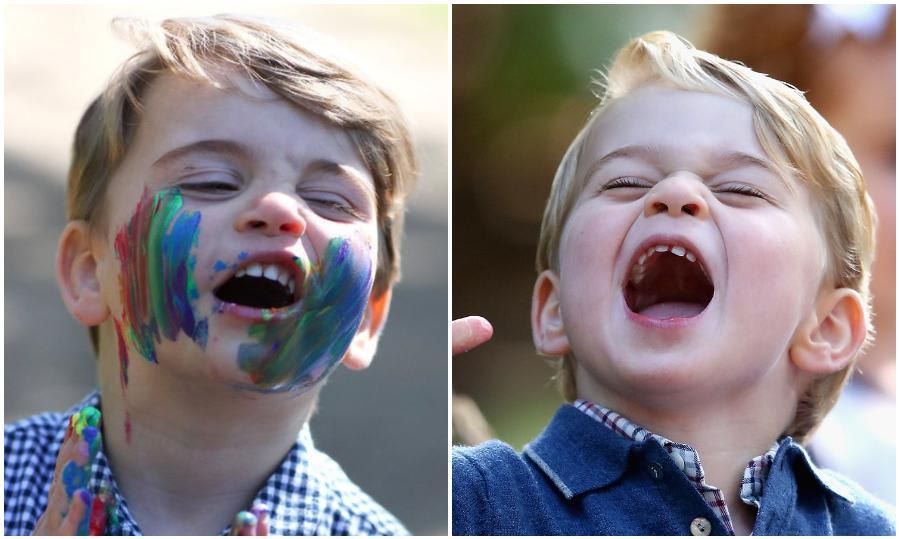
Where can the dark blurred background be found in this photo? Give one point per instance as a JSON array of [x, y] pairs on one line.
[[521, 92], [386, 426]]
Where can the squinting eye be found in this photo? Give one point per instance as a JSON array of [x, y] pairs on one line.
[[210, 186], [210, 182], [742, 189], [626, 181], [332, 204]]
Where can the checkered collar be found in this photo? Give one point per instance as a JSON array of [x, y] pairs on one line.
[[687, 459]]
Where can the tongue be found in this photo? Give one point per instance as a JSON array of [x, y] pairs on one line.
[[673, 309]]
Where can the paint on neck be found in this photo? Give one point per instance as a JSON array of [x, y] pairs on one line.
[[156, 279], [298, 352]]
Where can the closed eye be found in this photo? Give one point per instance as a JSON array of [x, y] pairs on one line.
[[211, 182], [742, 189], [332, 206], [210, 186], [624, 182]]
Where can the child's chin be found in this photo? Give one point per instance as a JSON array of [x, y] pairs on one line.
[[666, 370]]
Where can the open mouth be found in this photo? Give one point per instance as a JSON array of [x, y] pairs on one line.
[[261, 286], [668, 281]]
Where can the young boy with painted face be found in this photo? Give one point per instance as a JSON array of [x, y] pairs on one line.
[[235, 203], [703, 272]]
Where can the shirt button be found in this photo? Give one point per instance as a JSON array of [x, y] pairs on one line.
[[678, 460], [701, 526], [655, 470]]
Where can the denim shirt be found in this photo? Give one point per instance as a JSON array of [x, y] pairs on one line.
[[580, 478]]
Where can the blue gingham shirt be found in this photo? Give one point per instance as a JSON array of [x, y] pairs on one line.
[[309, 494]]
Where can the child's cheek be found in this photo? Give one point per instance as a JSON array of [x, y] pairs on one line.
[[297, 352], [156, 281]]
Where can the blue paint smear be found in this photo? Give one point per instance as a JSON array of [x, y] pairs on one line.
[[297, 353], [180, 288]]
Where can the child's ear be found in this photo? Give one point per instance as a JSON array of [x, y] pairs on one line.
[[365, 343], [546, 316], [832, 335], [77, 275]]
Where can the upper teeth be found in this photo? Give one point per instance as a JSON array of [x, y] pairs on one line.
[[639, 269], [273, 272]]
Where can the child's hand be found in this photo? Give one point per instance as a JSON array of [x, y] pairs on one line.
[[252, 522], [69, 500], [470, 332]]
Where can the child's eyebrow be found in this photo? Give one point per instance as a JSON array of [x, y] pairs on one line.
[[653, 155], [344, 171], [222, 146]]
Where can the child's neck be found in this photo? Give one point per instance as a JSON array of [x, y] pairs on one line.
[[197, 451]]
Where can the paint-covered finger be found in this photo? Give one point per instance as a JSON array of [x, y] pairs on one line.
[[77, 471], [261, 511], [57, 505], [58, 498], [244, 524], [470, 332], [76, 518], [83, 446], [67, 451]]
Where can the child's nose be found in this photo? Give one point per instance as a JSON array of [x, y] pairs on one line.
[[677, 195], [273, 214]]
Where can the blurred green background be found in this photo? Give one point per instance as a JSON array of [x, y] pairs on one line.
[[521, 92], [387, 425]]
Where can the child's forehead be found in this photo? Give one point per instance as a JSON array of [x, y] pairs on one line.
[[175, 87], [659, 115], [230, 105], [672, 129]]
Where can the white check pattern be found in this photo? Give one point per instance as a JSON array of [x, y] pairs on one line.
[[751, 486], [309, 494]]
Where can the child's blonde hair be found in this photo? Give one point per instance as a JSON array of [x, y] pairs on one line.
[[268, 55], [791, 132]]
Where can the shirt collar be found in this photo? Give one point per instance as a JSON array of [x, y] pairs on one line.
[[826, 479], [686, 458], [578, 457]]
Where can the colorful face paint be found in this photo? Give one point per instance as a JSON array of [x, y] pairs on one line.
[[297, 351], [157, 283]]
